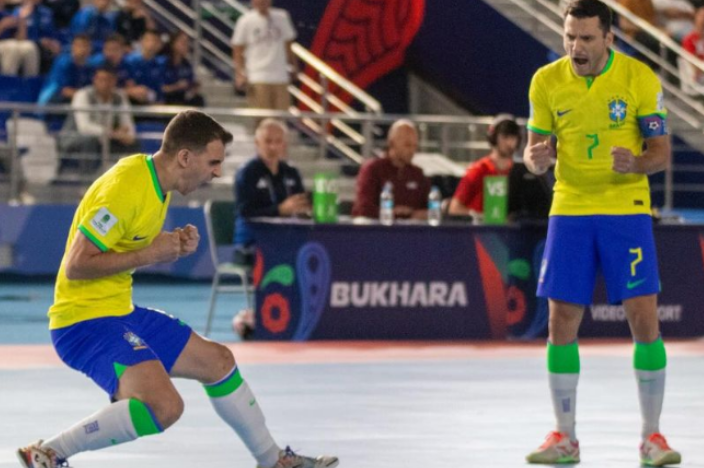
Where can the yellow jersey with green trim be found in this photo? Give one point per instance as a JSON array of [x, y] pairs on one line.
[[589, 115], [124, 210]]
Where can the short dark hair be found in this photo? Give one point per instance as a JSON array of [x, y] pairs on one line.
[[193, 130], [106, 69], [505, 125], [116, 37], [590, 9], [81, 37]]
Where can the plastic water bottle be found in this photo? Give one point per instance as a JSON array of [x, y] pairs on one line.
[[434, 207], [386, 205]]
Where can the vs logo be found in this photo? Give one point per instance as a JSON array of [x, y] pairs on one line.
[[496, 188]]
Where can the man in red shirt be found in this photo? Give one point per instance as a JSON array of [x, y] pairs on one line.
[[504, 136], [410, 186], [694, 41]]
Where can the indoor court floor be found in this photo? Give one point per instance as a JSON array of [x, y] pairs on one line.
[[373, 404]]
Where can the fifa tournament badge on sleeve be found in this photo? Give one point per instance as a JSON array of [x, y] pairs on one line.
[[325, 198], [495, 199]]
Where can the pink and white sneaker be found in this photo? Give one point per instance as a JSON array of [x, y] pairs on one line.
[[654, 451], [36, 456], [557, 448]]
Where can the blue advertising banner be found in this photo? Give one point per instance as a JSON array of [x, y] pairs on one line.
[[368, 282]]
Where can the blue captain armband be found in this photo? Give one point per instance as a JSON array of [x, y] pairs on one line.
[[653, 125]]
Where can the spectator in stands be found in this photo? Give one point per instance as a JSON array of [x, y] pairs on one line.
[[266, 186], [146, 71], [84, 132], [113, 56], [41, 30], [63, 11], [133, 20], [504, 136], [16, 52], [676, 17], [69, 73], [180, 86], [410, 186], [97, 21], [694, 41], [262, 55]]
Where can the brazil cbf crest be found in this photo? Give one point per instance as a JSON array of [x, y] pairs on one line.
[[618, 109], [136, 342]]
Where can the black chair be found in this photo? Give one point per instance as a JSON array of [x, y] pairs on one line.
[[220, 224]]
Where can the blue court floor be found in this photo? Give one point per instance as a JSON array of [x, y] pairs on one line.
[[390, 405]]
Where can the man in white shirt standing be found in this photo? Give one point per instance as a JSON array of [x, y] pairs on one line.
[[262, 55], [84, 132]]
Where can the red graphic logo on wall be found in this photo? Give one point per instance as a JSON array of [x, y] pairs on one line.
[[275, 309], [364, 40]]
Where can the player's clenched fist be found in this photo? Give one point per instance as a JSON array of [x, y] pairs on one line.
[[189, 239], [539, 157], [166, 247], [623, 159]]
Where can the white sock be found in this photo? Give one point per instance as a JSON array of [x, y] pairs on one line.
[[234, 402], [111, 425], [563, 388], [651, 393]]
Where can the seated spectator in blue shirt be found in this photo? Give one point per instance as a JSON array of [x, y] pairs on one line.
[[266, 186], [146, 71], [180, 86], [133, 20], [69, 73], [16, 52], [113, 56], [96, 21], [40, 29]]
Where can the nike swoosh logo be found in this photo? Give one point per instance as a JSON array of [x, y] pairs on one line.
[[137, 238], [635, 284], [561, 113]]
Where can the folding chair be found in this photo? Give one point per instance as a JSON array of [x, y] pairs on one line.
[[220, 224]]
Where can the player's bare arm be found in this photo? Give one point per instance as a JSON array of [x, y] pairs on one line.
[[539, 153], [86, 261], [654, 159]]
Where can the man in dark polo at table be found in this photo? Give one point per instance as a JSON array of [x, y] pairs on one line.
[[410, 186], [266, 186]]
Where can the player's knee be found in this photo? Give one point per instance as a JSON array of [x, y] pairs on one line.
[[224, 360], [168, 409]]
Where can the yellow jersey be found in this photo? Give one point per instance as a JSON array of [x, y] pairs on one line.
[[123, 210], [589, 115]]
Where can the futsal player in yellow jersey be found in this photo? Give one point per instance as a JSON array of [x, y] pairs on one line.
[[602, 107], [132, 352]]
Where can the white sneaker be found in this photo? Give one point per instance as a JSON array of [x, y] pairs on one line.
[[36, 456], [289, 459], [557, 448], [654, 451]]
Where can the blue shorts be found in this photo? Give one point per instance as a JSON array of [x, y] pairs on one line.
[[578, 247], [101, 348]]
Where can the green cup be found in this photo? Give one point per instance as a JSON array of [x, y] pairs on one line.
[[495, 199], [325, 198]]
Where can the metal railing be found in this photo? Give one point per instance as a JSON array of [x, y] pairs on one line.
[[31, 146], [319, 88]]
